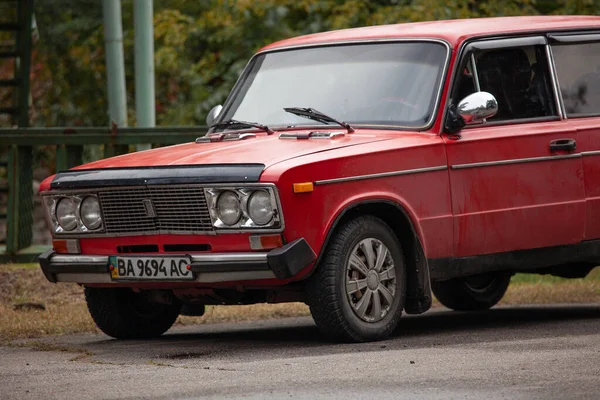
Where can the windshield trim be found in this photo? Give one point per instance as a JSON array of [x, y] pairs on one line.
[[236, 88]]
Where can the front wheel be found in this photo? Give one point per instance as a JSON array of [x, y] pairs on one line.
[[357, 292], [124, 314], [478, 292]]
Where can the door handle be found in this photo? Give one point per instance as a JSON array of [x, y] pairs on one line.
[[563, 144]]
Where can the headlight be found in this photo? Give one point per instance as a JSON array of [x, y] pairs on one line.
[[74, 213], [90, 213], [260, 209], [229, 208], [66, 214], [244, 208]]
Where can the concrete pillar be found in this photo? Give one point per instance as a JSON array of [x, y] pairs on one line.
[[143, 22]]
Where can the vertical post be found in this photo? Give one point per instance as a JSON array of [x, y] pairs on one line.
[[25, 12], [115, 68], [68, 157], [20, 199], [144, 66], [20, 158]]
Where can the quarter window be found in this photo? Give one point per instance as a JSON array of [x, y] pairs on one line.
[[518, 78], [578, 71]]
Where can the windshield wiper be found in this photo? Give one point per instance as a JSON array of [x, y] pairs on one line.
[[235, 124], [315, 115]]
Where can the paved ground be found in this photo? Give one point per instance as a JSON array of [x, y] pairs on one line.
[[519, 352]]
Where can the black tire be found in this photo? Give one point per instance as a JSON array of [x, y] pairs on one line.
[[473, 293], [124, 314], [331, 304]]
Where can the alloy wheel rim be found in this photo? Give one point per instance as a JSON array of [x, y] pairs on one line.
[[370, 280]]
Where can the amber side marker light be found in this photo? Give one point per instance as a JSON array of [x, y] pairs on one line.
[[68, 246], [304, 187], [265, 242]]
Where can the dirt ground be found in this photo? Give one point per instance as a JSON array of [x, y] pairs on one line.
[[32, 307]]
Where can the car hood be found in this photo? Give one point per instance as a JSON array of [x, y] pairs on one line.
[[262, 149]]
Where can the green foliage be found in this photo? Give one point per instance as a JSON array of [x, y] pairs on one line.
[[201, 47]]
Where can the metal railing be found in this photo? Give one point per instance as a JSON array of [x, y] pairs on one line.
[[69, 144]]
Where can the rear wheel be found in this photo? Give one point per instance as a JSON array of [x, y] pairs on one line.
[[478, 292], [124, 314], [357, 292]]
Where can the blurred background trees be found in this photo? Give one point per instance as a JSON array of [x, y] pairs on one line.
[[202, 46]]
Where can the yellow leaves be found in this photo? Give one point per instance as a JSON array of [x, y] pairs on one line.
[[171, 27]]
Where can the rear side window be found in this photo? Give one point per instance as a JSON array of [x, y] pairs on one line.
[[578, 70]]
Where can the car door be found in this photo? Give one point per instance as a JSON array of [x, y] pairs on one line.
[[577, 64], [517, 178]]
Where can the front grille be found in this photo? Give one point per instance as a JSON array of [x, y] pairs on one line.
[[175, 210]]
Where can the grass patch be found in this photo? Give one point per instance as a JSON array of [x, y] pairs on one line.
[[66, 312], [594, 275], [543, 289], [252, 312], [62, 319]]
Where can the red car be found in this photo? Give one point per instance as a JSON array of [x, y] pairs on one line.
[[379, 164]]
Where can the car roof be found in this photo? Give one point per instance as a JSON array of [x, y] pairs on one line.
[[452, 31]]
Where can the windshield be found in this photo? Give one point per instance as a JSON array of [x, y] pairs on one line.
[[390, 84]]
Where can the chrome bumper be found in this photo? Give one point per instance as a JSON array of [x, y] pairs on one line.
[[282, 263]]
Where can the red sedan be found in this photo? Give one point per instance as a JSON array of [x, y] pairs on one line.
[[357, 171]]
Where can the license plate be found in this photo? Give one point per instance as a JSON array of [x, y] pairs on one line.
[[150, 268]]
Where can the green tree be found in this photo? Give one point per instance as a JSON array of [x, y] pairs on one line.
[[202, 47]]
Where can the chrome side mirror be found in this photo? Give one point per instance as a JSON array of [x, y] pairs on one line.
[[477, 106], [213, 114]]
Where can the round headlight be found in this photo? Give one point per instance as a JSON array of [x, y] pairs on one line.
[[90, 213], [229, 209], [260, 208], [66, 214]]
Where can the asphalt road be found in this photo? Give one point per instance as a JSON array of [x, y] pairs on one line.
[[549, 352]]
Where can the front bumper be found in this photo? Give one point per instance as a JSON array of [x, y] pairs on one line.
[[281, 263]]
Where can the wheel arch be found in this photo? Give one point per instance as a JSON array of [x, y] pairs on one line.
[[418, 296]]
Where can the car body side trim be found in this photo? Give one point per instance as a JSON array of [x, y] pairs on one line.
[[591, 153], [515, 161], [380, 175]]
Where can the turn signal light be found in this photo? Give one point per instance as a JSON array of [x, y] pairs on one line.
[[265, 242], [68, 246], [304, 187]]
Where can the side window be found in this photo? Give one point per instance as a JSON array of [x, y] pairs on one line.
[[578, 70], [518, 77]]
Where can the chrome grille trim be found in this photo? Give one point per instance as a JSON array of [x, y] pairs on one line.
[[177, 210], [118, 210]]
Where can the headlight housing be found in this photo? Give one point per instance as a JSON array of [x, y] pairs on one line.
[[229, 208], [66, 214], [70, 214], [244, 208], [260, 209], [90, 213]]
